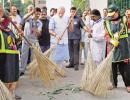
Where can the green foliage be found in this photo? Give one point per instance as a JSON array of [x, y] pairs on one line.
[[26, 4], [81, 5], [18, 3], [66, 90], [122, 4]]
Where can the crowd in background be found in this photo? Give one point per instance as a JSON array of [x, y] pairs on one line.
[[74, 36]]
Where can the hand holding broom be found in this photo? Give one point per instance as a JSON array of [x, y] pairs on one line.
[[115, 41], [100, 77], [20, 32]]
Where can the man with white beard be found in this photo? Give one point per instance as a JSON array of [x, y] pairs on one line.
[[57, 26]]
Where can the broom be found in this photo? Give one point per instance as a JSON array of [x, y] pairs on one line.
[[44, 70], [34, 70], [101, 76], [4, 92], [33, 65], [89, 68], [48, 53], [50, 50]]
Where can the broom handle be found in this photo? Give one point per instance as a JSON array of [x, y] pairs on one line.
[[69, 22], [18, 28], [119, 35], [65, 30], [19, 31]]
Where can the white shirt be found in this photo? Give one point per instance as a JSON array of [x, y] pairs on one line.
[[16, 19], [89, 23], [29, 26], [98, 31], [98, 43], [58, 25]]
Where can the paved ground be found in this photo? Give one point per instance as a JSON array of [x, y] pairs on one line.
[[34, 90]]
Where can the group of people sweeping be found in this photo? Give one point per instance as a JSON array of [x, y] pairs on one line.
[[108, 39], [101, 35]]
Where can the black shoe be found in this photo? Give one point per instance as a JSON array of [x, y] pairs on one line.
[[21, 74], [81, 63], [69, 66], [76, 68], [18, 97]]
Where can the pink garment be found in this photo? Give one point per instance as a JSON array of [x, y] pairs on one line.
[[107, 38]]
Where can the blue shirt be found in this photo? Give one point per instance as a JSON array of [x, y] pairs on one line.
[[78, 24]]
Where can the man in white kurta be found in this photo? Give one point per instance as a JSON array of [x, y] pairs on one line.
[[57, 25], [89, 23], [98, 43]]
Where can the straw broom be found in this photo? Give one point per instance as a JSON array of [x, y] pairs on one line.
[[4, 92], [48, 53], [50, 50], [47, 67], [43, 67], [101, 76], [89, 68], [33, 65], [44, 70], [54, 69]]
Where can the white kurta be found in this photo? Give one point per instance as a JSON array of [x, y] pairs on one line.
[[58, 25], [98, 43]]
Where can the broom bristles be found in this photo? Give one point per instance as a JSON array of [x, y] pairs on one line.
[[44, 70], [96, 81], [89, 68], [47, 68], [34, 70], [4, 92], [52, 66], [101, 77], [49, 51]]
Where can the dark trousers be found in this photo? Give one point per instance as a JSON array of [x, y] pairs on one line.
[[129, 42], [44, 48], [124, 70], [74, 51]]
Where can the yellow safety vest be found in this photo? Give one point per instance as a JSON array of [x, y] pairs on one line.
[[124, 34], [3, 48]]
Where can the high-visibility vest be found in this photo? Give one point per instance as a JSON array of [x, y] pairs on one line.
[[4, 47], [124, 34]]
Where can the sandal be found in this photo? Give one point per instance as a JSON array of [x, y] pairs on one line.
[[128, 89], [111, 87]]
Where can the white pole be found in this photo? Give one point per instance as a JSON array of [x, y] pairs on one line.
[[3, 3], [22, 1], [100, 4]]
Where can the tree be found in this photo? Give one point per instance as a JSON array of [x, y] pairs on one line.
[[122, 4], [18, 3], [81, 5]]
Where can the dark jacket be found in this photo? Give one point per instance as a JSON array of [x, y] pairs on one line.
[[44, 39]]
